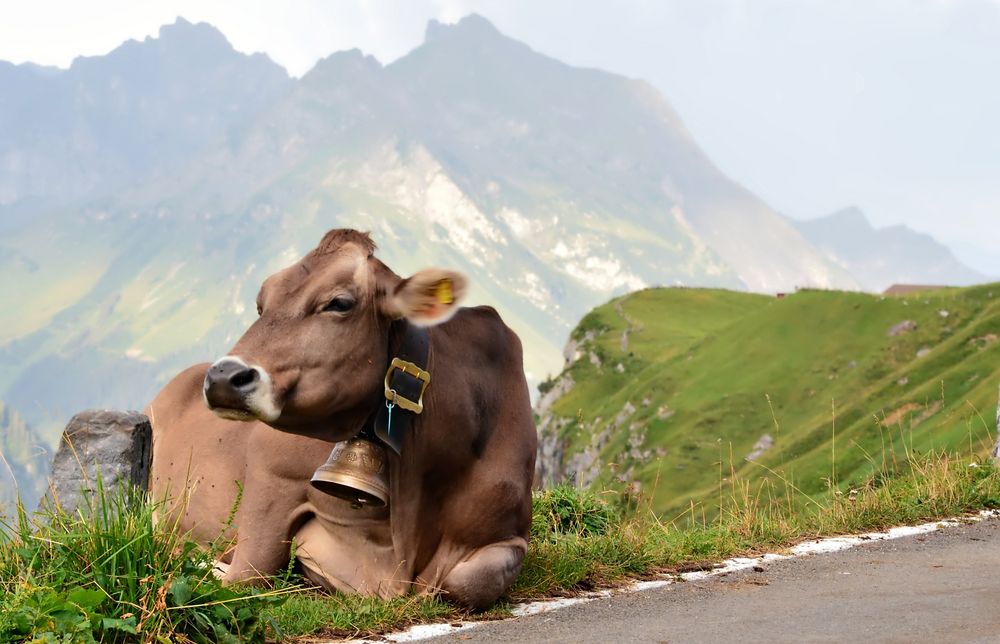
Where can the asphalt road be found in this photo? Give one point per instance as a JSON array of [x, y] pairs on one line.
[[939, 587]]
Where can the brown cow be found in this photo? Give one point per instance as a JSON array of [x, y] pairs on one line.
[[307, 374]]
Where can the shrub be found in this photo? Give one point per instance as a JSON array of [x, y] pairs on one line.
[[566, 510]]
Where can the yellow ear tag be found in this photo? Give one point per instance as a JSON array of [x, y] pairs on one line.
[[443, 293]]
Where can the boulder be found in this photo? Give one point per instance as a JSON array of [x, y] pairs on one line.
[[112, 445]]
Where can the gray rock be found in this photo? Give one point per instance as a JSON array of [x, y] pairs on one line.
[[573, 350], [585, 466], [906, 326], [763, 444], [627, 410], [562, 386], [112, 445], [549, 462]]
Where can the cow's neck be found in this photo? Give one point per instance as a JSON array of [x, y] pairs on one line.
[[407, 376], [409, 342]]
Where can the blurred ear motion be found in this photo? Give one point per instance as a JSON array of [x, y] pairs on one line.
[[429, 296]]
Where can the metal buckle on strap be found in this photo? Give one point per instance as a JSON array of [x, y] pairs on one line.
[[411, 370]]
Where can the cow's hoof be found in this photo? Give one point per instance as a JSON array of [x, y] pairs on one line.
[[220, 569]]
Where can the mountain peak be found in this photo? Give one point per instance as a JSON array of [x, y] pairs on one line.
[[471, 26], [344, 63], [879, 257], [851, 217], [182, 41], [185, 33]]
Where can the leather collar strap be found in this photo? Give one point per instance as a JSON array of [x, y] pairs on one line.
[[406, 380]]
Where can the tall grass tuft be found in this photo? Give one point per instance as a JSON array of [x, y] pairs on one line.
[[565, 510]]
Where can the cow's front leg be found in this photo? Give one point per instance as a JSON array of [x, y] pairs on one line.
[[477, 581], [263, 534], [258, 556]]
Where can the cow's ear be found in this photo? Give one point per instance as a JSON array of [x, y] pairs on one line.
[[429, 296]]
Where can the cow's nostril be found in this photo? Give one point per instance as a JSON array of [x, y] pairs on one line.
[[245, 378]]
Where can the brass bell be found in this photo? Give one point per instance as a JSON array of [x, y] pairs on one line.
[[357, 471]]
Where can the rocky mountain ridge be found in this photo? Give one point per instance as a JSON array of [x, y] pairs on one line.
[[881, 257], [147, 193]]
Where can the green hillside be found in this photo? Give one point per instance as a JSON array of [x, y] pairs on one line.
[[670, 388]]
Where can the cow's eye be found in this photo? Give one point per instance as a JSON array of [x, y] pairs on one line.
[[340, 305]]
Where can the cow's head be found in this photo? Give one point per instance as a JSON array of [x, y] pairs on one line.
[[319, 348]]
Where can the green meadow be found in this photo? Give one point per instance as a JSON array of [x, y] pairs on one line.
[[703, 375]]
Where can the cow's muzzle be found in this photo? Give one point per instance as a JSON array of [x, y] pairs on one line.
[[238, 391]]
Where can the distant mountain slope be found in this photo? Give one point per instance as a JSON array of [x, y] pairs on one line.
[[880, 257], [151, 190], [525, 133], [110, 120], [663, 384], [28, 458]]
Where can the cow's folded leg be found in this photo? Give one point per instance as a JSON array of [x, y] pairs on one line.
[[478, 580]]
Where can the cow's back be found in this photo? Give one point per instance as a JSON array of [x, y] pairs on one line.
[[484, 437], [478, 375]]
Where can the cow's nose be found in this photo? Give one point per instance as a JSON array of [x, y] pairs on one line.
[[228, 383]]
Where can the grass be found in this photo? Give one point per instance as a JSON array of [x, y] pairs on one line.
[[754, 519], [113, 575], [110, 574]]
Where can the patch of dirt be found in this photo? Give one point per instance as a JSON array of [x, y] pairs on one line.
[[895, 416], [929, 411], [907, 412], [984, 341], [746, 583]]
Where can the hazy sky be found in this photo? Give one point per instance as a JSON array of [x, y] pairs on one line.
[[892, 105]]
